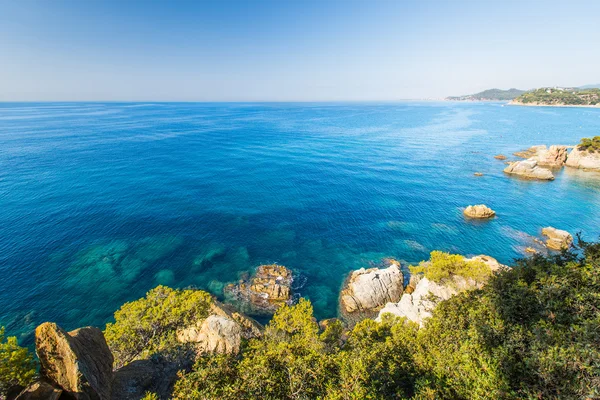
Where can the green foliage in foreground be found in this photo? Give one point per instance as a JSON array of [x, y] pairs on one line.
[[442, 267], [148, 326], [17, 367], [592, 145], [533, 332]]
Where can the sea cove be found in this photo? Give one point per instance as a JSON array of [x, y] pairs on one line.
[[100, 202]]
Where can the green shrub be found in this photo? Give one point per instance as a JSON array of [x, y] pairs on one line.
[[592, 145], [442, 267], [148, 325], [17, 367]]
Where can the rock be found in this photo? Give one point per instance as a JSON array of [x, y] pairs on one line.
[[557, 239], [480, 211], [40, 390], [369, 289], [554, 157], [250, 328], [529, 169], [478, 174], [138, 377], [530, 250], [417, 304], [269, 289], [216, 334], [583, 159], [79, 361], [500, 157]]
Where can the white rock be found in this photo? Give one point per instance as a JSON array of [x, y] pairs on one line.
[[583, 159], [369, 289], [529, 169]]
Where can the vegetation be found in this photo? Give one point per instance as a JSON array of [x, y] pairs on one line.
[[17, 367], [561, 96], [592, 145], [490, 95], [531, 333], [148, 326], [442, 267]]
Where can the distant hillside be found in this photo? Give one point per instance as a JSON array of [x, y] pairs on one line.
[[596, 86], [558, 96], [489, 95]]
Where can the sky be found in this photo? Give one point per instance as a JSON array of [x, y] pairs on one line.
[[291, 50]]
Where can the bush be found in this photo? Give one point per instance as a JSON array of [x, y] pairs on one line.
[[17, 367], [442, 267], [591, 145], [148, 326]]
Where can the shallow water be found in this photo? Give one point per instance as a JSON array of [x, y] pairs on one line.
[[99, 202]]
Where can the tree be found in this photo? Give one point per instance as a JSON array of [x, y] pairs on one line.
[[149, 325], [17, 367]]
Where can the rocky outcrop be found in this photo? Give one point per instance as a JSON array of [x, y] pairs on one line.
[[417, 303], [369, 289], [267, 290], [39, 390], [553, 157], [500, 157], [529, 169], [480, 211], [250, 328], [79, 362], [156, 375], [216, 334], [583, 159], [557, 239]]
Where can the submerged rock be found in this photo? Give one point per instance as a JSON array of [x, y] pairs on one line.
[[557, 239], [478, 174], [369, 289], [529, 169], [79, 362], [480, 211], [267, 290], [583, 159]]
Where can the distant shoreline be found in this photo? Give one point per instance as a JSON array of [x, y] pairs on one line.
[[513, 103]]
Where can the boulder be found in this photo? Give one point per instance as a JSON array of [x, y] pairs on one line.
[[553, 157], [557, 239], [40, 390], [529, 169], [216, 334], [478, 174], [79, 362], [480, 211], [500, 157], [155, 375], [250, 328], [417, 303], [369, 289], [267, 290], [583, 159]]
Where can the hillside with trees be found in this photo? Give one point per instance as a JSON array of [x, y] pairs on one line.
[[489, 95], [560, 97]]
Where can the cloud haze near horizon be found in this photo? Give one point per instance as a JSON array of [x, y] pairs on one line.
[[291, 50]]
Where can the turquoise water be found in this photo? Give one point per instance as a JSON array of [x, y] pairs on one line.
[[101, 202]]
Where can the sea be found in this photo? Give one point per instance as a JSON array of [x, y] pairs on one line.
[[101, 202]]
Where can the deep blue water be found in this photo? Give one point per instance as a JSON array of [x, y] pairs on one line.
[[101, 202]]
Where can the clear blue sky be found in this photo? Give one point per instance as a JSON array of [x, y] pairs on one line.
[[291, 50]]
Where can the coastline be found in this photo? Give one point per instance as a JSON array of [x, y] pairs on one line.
[[512, 103]]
